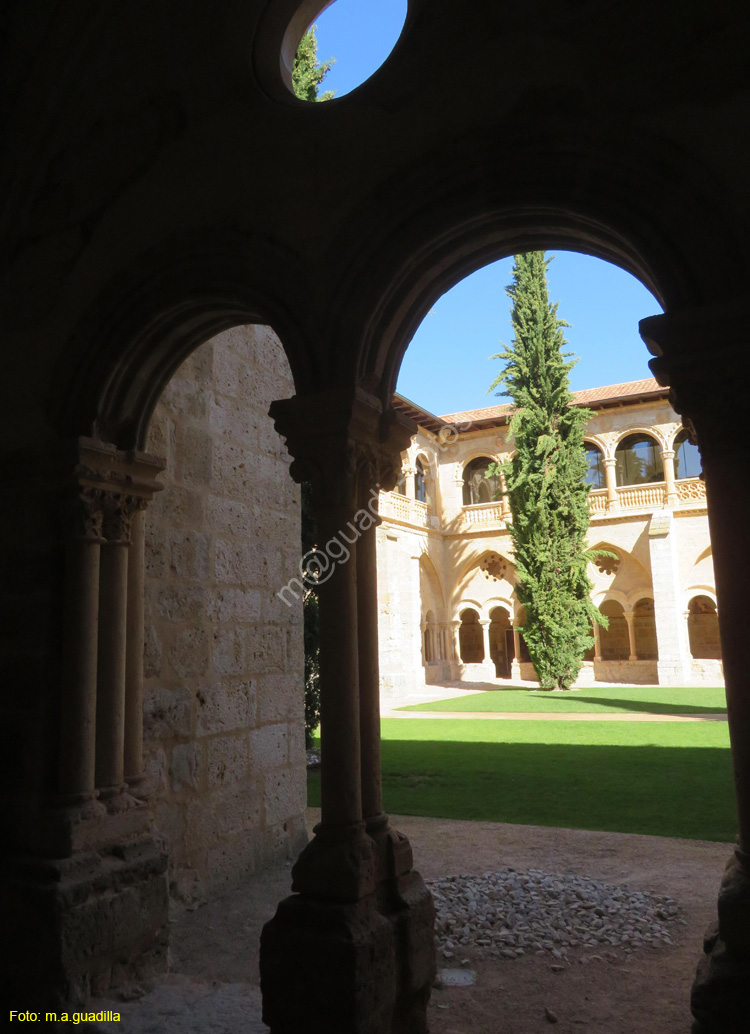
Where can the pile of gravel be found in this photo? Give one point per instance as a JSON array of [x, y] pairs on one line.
[[507, 914]]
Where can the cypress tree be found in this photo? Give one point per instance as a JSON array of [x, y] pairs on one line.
[[545, 483]]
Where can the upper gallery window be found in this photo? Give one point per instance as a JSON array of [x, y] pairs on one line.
[[595, 467], [687, 457], [420, 485], [477, 487], [639, 460]]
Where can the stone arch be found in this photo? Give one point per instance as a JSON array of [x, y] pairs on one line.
[[644, 629], [470, 636], [703, 627], [147, 321], [501, 637], [430, 586], [614, 642], [632, 469]]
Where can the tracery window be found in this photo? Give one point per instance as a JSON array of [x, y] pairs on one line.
[[687, 457], [477, 487], [638, 460]]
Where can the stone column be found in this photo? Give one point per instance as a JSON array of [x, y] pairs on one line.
[[133, 751], [597, 643], [455, 643], [630, 618], [671, 490], [76, 778], [504, 502], [485, 623], [410, 473], [703, 356], [515, 664], [113, 614], [352, 950], [610, 477]]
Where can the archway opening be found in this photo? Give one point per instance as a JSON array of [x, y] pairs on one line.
[[470, 637]]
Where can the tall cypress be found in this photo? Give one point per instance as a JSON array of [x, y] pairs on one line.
[[547, 493]]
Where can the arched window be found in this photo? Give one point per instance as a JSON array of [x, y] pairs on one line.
[[639, 461], [477, 487], [687, 457], [614, 642], [644, 630], [594, 466], [703, 628], [470, 638], [420, 485]]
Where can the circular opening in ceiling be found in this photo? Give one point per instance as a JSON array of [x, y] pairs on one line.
[[345, 46]]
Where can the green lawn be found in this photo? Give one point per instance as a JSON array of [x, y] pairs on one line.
[[652, 699], [664, 778]]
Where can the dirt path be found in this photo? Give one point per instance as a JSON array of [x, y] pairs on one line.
[[649, 993], [558, 716]]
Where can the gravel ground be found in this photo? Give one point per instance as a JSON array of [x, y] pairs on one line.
[[551, 881]]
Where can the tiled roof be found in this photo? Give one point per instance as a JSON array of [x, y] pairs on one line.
[[586, 397]]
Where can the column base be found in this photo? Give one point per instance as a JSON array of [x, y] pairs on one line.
[[720, 996], [406, 903], [327, 966], [83, 924]]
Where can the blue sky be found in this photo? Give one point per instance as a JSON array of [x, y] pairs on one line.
[[447, 367]]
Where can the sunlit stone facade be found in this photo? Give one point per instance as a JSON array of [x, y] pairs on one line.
[[448, 609]]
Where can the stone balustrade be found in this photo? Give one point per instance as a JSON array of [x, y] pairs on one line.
[[394, 506]]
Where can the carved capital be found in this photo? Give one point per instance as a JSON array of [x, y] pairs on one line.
[[343, 442], [86, 512], [118, 514]]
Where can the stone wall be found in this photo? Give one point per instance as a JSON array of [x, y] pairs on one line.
[[223, 720]]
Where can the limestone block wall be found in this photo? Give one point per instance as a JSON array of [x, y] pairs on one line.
[[223, 713]]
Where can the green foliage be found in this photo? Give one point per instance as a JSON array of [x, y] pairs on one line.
[[307, 74], [311, 623], [545, 482]]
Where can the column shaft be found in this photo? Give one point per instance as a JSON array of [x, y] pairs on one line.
[[611, 482], [133, 753], [369, 675], [630, 619], [76, 773], [110, 717], [340, 781], [671, 490]]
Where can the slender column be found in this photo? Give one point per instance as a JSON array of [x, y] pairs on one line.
[[76, 778], [704, 357], [369, 677], [597, 643], [133, 753], [610, 477], [410, 474], [504, 501], [113, 611], [359, 927], [671, 490], [630, 618], [455, 642], [485, 623], [515, 664]]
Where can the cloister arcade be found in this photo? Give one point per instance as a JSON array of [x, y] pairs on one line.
[[154, 197]]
